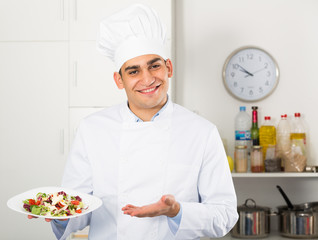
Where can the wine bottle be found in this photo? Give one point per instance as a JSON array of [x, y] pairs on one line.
[[254, 129]]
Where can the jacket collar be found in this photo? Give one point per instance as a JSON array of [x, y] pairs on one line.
[[129, 116]]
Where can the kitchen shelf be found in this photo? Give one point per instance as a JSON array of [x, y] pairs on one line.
[[276, 174]]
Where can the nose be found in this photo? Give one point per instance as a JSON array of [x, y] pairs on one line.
[[147, 78]]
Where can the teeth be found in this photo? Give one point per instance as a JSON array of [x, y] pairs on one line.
[[149, 90]]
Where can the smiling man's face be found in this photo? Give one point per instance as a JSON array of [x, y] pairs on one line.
[[146, 81]]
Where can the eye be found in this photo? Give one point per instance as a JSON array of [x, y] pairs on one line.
[[134, 72], [155, 66]]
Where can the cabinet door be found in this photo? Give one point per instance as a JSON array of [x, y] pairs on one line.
[[33, 20], [85, 16], [33, 126], [91, 74]]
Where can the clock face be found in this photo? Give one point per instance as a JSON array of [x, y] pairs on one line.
[[250, 74]]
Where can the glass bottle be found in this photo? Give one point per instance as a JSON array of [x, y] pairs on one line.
[[254, 129], [257, 162], [240, 159]]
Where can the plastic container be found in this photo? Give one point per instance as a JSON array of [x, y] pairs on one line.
[[298, 158], [271, 162], [283, 139], [267, 135], [243, 128]]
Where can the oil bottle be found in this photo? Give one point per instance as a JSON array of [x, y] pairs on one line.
[[267, 135]]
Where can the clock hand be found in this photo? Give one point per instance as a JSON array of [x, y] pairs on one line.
[[259, 70], [244, 70], [256, 71]]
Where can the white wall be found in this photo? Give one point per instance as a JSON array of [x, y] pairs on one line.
[[207, 31]]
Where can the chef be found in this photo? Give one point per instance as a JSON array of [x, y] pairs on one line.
[[160, 170]]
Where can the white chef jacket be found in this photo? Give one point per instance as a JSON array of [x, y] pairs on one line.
[[124, 162]]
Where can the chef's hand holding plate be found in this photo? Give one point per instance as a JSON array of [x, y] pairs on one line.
[[167, 205], [46, 219]]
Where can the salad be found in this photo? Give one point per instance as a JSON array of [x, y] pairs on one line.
[[58, 204]]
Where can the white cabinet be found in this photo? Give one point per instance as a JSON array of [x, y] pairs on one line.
[[91, 74], [34, 108], [86, 15], [33, 20], [33, 127]]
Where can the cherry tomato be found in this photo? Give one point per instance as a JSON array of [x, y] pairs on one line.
[[78, 211], [75, 202]]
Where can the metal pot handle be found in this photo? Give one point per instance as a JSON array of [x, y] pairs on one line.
[[250, 199]]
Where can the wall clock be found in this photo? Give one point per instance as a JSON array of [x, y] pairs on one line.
[[250, 73]]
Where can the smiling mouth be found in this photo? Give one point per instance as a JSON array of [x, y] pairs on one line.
[[149, 90]]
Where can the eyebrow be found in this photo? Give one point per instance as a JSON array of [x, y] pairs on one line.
[[138, 66]]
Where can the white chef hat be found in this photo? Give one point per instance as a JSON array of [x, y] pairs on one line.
[[132, 32]]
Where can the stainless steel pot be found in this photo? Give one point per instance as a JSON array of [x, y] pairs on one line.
[[299, 222], [254, 221]]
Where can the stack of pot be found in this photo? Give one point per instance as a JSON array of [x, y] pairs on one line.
[[301, 221], [298, 221]]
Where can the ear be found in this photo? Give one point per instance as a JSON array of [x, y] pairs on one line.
[[169, 67], [118, 80]]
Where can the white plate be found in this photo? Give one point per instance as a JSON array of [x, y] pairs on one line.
[[90, 202]]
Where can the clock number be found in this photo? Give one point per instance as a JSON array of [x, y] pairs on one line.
[[232, 74], [260, 58], [249, 56], [251, 93], [235, 66], [242, 89], [260, 90], [267, 83], [241, 59], [265, 65], [268, 74], [235, 84]]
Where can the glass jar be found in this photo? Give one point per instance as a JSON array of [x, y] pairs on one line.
[[240, 158], [257, 163]]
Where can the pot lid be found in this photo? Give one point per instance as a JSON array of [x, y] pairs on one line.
[[250, 206], [308, 206]]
